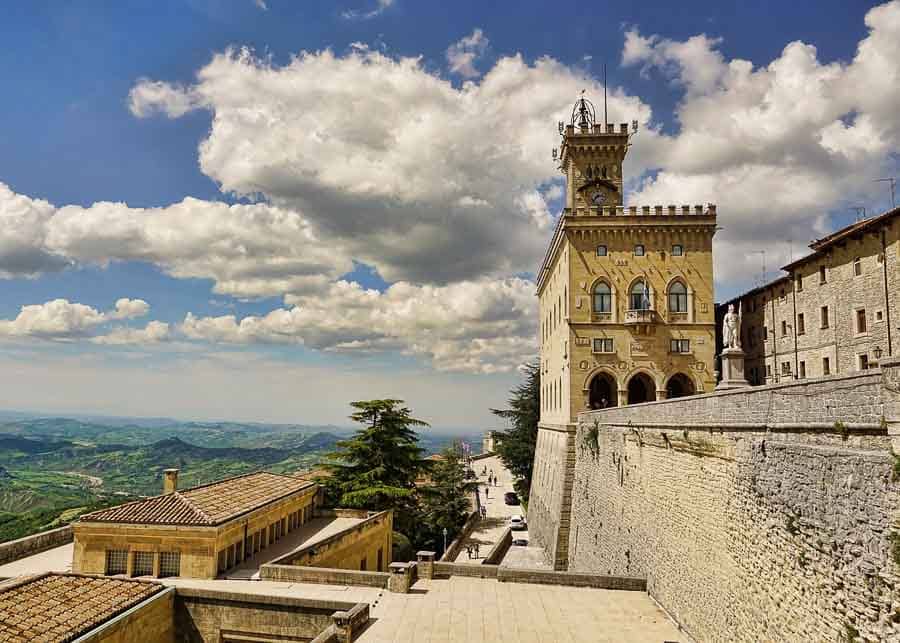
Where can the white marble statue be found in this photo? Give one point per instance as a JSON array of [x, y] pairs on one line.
[[731, 329]]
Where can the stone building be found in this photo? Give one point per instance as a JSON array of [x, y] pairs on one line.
[[196, 533], [627, 313], [833, 309]]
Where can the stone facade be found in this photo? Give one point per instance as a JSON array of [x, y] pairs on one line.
[[626, 306], [202, 551], [365, 546], [833, 310], [767, 513]]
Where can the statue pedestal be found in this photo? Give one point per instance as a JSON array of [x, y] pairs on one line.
[[732, 370]]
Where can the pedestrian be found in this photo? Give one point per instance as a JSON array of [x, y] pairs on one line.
[[485, 493], [469, 551], [477, 554]]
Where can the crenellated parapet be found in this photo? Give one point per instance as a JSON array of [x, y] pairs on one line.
[[708, 210]]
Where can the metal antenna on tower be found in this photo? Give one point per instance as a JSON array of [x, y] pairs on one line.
[[860, 212], [893, 183], [605, 119]]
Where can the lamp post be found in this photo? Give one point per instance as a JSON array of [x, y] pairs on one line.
[[445, 540]]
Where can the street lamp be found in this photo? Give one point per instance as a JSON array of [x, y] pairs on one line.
[[445, 539]]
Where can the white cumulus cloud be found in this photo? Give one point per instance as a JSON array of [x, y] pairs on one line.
[[462, 55]]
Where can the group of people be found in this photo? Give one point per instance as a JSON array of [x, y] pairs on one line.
[[491, 478], [472, 551]]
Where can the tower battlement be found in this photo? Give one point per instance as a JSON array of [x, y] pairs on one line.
[[709, 210]]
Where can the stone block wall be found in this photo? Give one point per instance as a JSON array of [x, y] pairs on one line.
[[550, 496], [764, 514]]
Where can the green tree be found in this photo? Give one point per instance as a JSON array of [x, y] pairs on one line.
[[446, 501], [515, 446], [376, 469]]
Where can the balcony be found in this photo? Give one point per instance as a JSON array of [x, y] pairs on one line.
[[640, 317]]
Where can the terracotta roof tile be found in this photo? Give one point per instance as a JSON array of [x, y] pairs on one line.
[[61, 607], [207, 505]]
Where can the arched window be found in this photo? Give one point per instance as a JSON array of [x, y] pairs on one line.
[[602, 298], [639, 296], [677, 298]]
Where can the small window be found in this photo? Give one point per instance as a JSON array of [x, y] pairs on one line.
[[362, 564], [798, 281], [802, 368], [781, 295], [824, 316], [826, 366], [601, 251], [143, 563], [680, 346], [863, 362], [639, 250], [879, 315], [603, 345], [677, 250], [765, 334], [768, 370], [116, 561], [857, 267], [861, 321], [823, 277], [785, 368], [602, 298], [783, 328], [678, 298], [801, 324]]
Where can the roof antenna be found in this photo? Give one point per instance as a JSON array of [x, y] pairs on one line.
[[891, 180], [605, 119], [860, 212]]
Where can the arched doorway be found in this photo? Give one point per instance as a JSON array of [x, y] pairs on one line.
[[603, 391], [680, 385], [641, 389]]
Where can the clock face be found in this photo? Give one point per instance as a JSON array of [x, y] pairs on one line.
[[598, 198]]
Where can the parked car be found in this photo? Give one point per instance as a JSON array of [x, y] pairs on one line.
[[517, 523], [520, 541], [511, 498]]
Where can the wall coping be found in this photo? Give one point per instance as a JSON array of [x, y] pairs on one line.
[[263, 599], [54, 537], [874, 374], [330, 539], [323, 575], [97, 633]]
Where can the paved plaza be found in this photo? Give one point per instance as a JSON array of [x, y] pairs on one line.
[[489, 530], [476, 610]]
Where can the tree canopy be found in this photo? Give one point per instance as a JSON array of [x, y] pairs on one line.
[[516, 445]]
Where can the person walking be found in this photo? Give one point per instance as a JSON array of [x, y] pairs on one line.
[[469, 551], [477, 554], [485, 493]]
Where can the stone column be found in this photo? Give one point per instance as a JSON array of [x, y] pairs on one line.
[[425, 563], [623, 397], [348, 624], [401, 578], [660, 394]]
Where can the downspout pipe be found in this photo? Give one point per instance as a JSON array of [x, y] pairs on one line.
[[887, 303]]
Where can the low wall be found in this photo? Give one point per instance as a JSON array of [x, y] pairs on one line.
[[550, 497], [203, 615], [152, 621], [498, 551], [36, 543], [572, 579], [767, 513], [347, 625], [369, 541], [475, 570], [322, 575], [453, 549]]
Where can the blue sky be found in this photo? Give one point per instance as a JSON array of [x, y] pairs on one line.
[[109, 103]]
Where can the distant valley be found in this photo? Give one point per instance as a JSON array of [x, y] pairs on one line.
[[54, 469]]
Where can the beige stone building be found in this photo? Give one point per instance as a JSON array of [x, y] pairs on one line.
[[834, 311], [199, 532], [626, 293]]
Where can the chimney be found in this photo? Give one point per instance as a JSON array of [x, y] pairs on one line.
[[170, 481]]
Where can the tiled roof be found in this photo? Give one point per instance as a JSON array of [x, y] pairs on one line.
[[207, 505], [61, 607]]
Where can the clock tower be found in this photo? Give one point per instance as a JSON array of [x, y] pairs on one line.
[[591, 157]]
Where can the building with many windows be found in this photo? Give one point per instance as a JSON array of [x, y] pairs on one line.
[[199, 532], [834, 310], [626, 293]]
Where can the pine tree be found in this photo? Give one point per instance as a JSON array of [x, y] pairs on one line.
[[378, 466], [447, 500], [516, 445]]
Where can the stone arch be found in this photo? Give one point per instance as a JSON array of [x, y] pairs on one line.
[[680, 385], [602, 389], [641, 386]]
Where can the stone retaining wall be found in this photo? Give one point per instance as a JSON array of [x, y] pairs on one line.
[[322, 575], [36, 543], [547, 577], [550, 497], [475, 570], [498, 551], [770, 513]]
